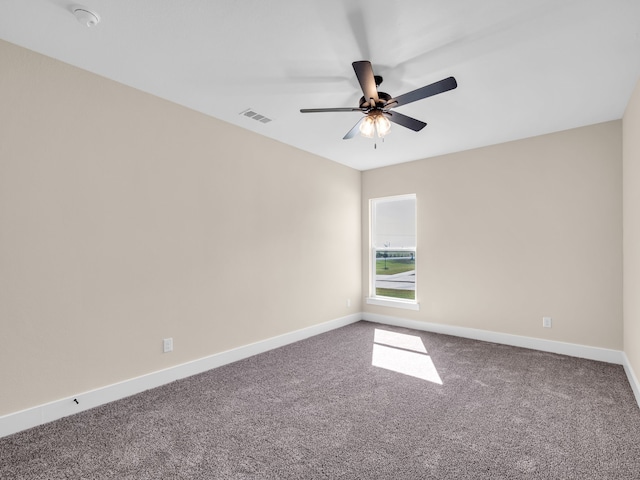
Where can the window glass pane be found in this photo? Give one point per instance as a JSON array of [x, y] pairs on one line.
[[395, 223], [393, 235], [395, 274]]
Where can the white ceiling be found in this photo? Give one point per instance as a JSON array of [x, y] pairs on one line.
[[524, 68]]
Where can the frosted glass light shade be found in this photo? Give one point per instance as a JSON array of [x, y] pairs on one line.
[[367, 127]]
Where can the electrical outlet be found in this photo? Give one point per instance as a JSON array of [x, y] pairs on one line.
[[167, 345], [348, 302], [546, 322]]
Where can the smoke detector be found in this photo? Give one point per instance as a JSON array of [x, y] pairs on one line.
[[86, 17]]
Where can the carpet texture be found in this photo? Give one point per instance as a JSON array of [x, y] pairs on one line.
[[336, 406]]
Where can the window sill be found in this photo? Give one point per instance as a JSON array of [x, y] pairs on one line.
[[387, 302]]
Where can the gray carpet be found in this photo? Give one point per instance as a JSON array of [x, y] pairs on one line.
[[320, 409]]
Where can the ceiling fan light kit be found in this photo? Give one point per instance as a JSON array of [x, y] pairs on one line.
[[375, 123], [376, 106]]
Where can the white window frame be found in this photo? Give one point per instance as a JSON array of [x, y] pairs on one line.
[[374, 299]]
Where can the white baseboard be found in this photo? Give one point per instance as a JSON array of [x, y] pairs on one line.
[[633, 380], [571, 349], [31, 417]]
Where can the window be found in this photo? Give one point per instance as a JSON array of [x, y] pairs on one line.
[[393, 251]]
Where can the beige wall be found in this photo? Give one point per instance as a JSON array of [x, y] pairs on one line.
[[510, 233], [125, 219], [631, 208]]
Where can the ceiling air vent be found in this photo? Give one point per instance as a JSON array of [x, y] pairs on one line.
[[256, 116]]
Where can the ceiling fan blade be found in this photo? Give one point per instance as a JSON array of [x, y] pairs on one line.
[[410, 123], [424, 92], [364, 72], [321, 110], [354, 131]]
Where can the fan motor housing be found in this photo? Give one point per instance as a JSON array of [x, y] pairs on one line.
[[383, 99]]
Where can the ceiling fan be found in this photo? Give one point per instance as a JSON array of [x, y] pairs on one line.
[[377, 106]]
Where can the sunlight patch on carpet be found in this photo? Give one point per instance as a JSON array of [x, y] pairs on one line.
[[405, 354]]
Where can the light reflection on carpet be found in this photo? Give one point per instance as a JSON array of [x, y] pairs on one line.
[[404, 354]]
